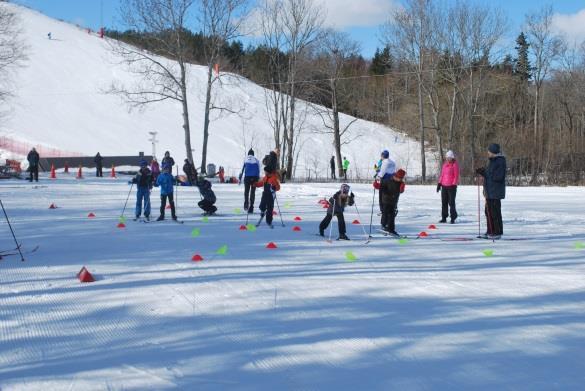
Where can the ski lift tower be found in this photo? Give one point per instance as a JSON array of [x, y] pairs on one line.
[[153, 140]]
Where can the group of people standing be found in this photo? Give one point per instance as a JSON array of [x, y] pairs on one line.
[[344, 166]]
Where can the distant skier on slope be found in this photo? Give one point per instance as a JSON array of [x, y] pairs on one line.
[[332, 164], [251, 170], [271, 185], [345, 167], [391, 190], [337, 204]]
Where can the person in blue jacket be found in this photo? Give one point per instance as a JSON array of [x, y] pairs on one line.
[[494, 190], [143, 181], [166, 181], [251, 170]]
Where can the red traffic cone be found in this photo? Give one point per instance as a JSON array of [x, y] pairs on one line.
[[85, 276], [274, 213], [296, 228], [197, 258], [52, 206], [121, 225], [271, 245], [297, 218], [325, 206], [53, 174], [91, 215], [79, 173], [356, 222], [243, 228], [66, 169], [113, 172], [423, 234], [432, 226]]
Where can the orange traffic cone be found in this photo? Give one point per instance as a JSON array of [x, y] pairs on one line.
[[271, 245], [296, 228], [79, 173], [197, 258], [53, 175], [113, 173], [85, 276]]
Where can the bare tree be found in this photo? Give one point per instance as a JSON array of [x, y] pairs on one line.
[[161, 68], [221, 21], [12, 48], [336, 52]]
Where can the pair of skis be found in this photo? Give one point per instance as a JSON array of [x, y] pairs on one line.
[[17, 251]]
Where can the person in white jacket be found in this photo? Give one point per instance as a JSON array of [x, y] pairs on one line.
[[386, 170]]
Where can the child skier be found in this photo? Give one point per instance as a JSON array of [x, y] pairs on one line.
[[337, 205], [208, 201], [155, 169], [143, 181], [271, 185], [166, 181], [391, 190]]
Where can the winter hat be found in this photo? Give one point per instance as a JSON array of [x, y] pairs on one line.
[[400, 174], [385, 154], [494, 148], [143, 163], [251, 152], [450, 155]]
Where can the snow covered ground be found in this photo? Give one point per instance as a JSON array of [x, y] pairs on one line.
[[424, 314]]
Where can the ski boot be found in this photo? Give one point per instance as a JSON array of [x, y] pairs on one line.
[[160, 218], [343, 237]]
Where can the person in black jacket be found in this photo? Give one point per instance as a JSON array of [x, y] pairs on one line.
[[337, 205], [98, 160], [33, 164], [494, 189], [332, 164], [190, 172], [144, 183], [168, 160], [270, 161], [391, 190], [208, 201]]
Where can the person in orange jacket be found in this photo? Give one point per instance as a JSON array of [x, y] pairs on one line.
[[271, 185]]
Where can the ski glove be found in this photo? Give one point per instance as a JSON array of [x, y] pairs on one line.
[[376, 185], [438, 187]]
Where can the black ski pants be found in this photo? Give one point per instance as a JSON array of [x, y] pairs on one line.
[[250, 191], [34, 173], [389, 212], [493, 214], [327, 220], [163, 205], [448, 195], [267, 205], [99, 171], [207, 206]]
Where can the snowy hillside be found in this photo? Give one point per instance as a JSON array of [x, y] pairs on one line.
[[60, 103]]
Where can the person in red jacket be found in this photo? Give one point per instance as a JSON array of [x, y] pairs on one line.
[[448, 181], [271, 185]]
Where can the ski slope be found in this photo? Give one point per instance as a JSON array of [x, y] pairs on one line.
[[426, 314], [60, 103]]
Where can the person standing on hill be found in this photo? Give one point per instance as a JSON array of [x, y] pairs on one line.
[[345, 167], [98, 160], [33, 159], [448, 181], [251, 170], [494, 189], [332, 164]]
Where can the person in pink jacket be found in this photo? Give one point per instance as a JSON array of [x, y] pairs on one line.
[[448, 181]]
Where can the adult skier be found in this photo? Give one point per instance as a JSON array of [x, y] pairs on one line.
[[143, 181], [166, 181], [391, 190], [386, 170], [337, 204], [448, 181], [33, 159], [251, 170], [494, 190], [345, 167], [332, 164], [98, 160]]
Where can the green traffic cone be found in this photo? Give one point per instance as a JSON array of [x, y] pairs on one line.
[[222, 250], [350, 256], [195, 233]]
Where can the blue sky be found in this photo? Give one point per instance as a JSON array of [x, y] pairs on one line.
[[360, 18]]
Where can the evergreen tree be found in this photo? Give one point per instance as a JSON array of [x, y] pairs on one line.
[[522, 68], [382, 62]]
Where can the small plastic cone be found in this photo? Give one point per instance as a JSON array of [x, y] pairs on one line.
[[297, 219], [52, 206], [488, 253], [53, 174], [113, 172], [243, 228], [297, 228], [91, 215], [350, 256], [196, 232], [355, 222], [121, 225], [197, 258], [251, 227], [423, 234], [432, 226], [85, 276], [222, 250], [271, 245]]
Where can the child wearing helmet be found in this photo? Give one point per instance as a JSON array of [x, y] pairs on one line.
[[337, 204]]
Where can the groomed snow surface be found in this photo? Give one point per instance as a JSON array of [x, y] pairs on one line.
[[425, 314]]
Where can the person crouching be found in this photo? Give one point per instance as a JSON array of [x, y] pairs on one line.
[[337, 205], [208, 201]]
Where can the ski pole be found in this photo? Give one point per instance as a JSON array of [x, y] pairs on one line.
[[12, 231], [278, 206], [177, 191], [360, 217], [127, 198], [372, 213], [478, 209]]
